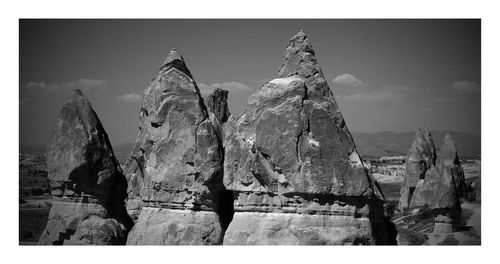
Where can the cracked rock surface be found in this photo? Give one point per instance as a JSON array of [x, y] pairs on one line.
[[86, 181], [290, 153], [176, 163]]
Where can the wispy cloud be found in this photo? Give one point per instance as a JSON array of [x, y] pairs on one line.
[[206, 89], [82, 84], [130, 97], [375, 96], [39, 94], [466, 86]]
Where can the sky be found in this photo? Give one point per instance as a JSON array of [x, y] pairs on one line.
[[386, 75]]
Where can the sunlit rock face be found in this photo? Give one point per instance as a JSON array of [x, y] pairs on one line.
[[439, 183], [87, 184], [293, 166], [175, 170]]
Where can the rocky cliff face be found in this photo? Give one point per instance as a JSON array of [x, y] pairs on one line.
[[86, 181], [217, 104], [293, 166], [175, 170], [437, 181]]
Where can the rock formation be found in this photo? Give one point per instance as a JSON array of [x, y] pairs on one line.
[[293, 166], [86, 181], [175, 170], [438, 183], [217, 104], [421, 156], [448, 158]]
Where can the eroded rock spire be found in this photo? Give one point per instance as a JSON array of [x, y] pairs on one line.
[[434, 183], [86, 181], [175, 170], [290, 153]]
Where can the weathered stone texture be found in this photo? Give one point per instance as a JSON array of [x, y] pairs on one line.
[[292, 141], [177, 160], [86, 181]]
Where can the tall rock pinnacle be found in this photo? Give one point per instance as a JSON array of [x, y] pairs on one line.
[[421, 156], [433, 182], [290, 153], [175, 170], [448, 158], [86, 181]]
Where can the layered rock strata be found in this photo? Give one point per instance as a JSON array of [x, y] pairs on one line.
[[175, 170], [86, 181], [293, 166]]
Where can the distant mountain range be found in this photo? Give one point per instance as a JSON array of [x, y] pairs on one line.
[[369, 145], [375, 145]]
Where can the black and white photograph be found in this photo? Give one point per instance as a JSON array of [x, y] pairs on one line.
[[251, 134], [266, 132]]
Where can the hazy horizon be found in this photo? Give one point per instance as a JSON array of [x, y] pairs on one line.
[[386, 75]]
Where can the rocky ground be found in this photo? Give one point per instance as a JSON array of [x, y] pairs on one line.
[[35, 203], [417, 227], [34, 198]]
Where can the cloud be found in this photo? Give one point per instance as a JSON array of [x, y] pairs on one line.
[[349, 81], [130, 98], [82, 84], [39, 94], [206, 89], [375, 96], [351, 89], [466, 86]]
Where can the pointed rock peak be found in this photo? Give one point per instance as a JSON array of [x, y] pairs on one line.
[[299, 40], [77, 92], [299, 58], [423, 135], [79, 102], [423, 148], [172, 56], [175, 60]]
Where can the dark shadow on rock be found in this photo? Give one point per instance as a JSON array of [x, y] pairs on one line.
[[116, 204], [384, 231]]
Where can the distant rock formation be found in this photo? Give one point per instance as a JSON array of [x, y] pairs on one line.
[[293, 166], [86, 181], [175, 170], [421, 156], [439, 180], [217, 104], [448, 158]]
